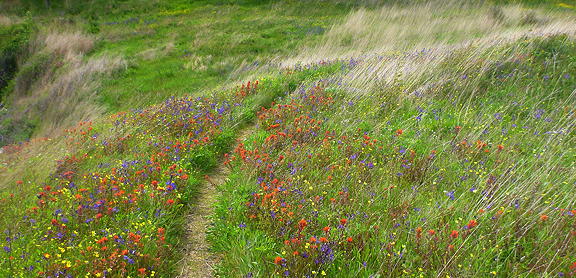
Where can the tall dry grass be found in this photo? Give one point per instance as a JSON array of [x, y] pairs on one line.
[[392, 28], [60, 81], [70, 45], [6, 20]]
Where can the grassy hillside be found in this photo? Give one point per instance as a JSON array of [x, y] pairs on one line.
[[466, 176], [89, 58], [382, 138]]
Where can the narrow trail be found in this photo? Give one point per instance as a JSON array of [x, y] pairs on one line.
[[198, 261]]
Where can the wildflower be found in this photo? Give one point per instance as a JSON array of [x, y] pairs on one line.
[[142, 271], [418, 232], [343, 221], [102, 240], [472, 224], [278, 260], [454, 234], [543, 217], [431, 232], [399, 132], [170, 202], [326, 229], [349, 239], [302, 224], [323, 239]]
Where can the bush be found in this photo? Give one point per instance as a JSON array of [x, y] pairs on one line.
[[13, 40]]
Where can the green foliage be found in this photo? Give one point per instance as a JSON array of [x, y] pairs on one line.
[[30, 72], [203, 159], [14, 130], [224, 141], [13, 42]]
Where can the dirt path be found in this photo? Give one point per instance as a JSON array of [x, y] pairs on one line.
[[198, 261]]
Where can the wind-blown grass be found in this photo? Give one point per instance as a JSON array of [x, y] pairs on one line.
[[466, 173], [445, 151]]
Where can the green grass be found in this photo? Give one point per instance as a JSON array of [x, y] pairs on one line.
[[210, 44], [429, 177]]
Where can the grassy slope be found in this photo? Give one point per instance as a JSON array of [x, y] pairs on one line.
[[169, 65], [468, 178], [140, 167], [206, 44], [172, 48]]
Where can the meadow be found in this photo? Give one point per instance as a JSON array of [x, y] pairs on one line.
[[374, 139]]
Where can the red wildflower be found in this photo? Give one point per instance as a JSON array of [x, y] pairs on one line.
[[418, 232], [399, 132], [278, 260], [543, 217], [472, 224], [431, 232], [102, 240], [170, 202], [454, 234], [326, 229], [302, 224], [349, 239], [343, 221], [142, 271], [323, 239]]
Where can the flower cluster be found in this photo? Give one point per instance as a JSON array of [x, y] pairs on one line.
[[110, 209]]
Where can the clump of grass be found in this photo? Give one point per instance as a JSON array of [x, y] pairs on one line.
[[69, 45]]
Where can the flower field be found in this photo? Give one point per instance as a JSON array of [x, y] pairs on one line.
[[445, 151], [407, 183], [115, 207]]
